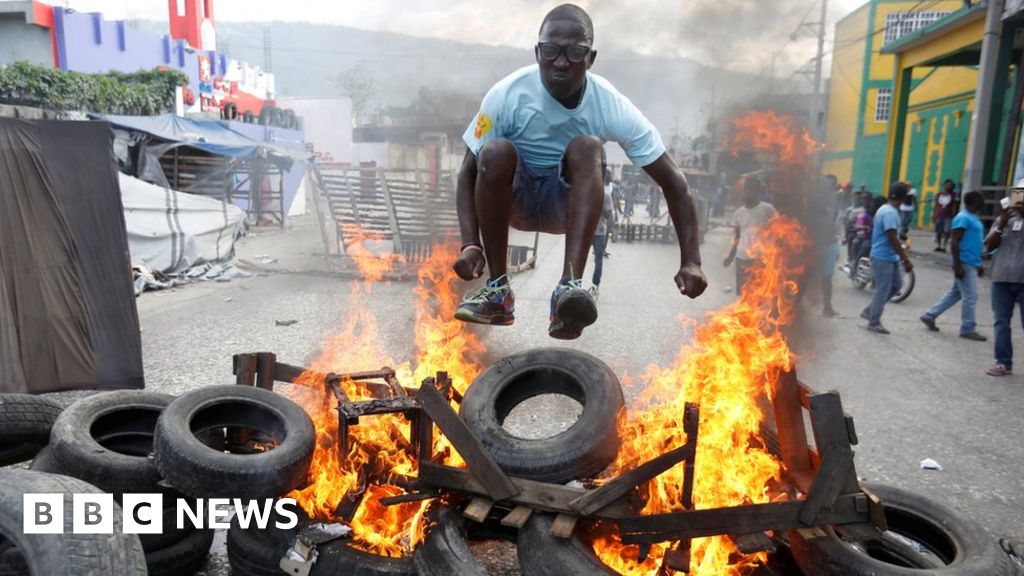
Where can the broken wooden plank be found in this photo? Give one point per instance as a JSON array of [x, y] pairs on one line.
[[411, 497], [831, 433], [753, 542], [594, 500], [244, 369], [536, 495], [481, 465], [836, 466], [265, 370], [789, 422], [517, 517], [858, 532], [691, 424], [478, 509], [677, 558], [562, 526], [352, 411], [734, 520]]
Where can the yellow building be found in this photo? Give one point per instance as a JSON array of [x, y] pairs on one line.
[[860, 102]]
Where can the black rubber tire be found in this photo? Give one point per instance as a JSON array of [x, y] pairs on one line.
[[200, 471], [25, 423], [116, 554], [79, 435], [541, 554], [248, 117], [289, 119], [446, 550], [963, 546], [255, 552], [909, 280], [44, 462], [186, 556], [584, 449]]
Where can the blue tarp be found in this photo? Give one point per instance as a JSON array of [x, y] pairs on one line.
[[211, 136]]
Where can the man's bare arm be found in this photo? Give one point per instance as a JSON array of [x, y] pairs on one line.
[[897, 246], [690, 279], [470, 263]]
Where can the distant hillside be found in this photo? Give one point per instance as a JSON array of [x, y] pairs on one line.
[[306, 57]]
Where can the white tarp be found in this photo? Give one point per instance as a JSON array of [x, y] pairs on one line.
[[170, 231]]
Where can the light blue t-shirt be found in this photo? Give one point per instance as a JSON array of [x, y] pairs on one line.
[[520, 109], [887, 218], [970, 244]]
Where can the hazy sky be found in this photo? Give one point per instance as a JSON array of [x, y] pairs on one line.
[[737, 34]]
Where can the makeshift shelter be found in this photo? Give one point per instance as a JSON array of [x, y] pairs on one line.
[[67, 304], [208, 158], [170, 231]]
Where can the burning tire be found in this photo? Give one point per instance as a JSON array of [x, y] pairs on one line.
[[258, 552], [924, 537], [541, 554], [25, 423], [106, 439], [446, 549], [196, 469], [583, 450], [116, 554]]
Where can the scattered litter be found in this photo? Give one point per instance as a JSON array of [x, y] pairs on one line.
[[285, 322], [147, 279], [929, 464], [228, 299], [264, 259], [727, 290], [575, 484]]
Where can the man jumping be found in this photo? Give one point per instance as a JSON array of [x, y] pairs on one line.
[[534, 162]]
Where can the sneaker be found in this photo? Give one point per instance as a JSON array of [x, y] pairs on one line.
[[829, 313], [595, 292], [866, 313], [879, 329], [974, 336], [930, 323], [493, 303], [938, 249], [572, 310], [1000, 370]]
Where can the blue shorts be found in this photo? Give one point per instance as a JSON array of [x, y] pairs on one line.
[[542, 196]]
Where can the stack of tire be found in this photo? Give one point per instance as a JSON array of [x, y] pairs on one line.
[[142, 442]]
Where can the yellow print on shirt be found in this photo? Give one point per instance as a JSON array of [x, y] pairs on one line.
[[483, 125]]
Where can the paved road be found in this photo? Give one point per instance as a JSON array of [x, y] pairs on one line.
[[913, 394]]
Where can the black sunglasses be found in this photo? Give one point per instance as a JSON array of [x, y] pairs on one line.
[[575, 53]]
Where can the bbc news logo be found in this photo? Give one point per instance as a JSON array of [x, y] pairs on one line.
[[144, 513]]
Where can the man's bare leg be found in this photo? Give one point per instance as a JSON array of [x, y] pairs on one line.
[[572, 307], [494, 197], [586, 197]]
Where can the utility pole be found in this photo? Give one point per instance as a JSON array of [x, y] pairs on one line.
[[976, 153], [817, 128], [268, 51]]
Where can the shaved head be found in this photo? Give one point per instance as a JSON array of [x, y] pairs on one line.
[[572, 13]]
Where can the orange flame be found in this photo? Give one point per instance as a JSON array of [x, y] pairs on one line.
[[779, 137], [380, 446], [733, 362]]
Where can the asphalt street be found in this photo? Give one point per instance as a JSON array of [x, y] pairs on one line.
[[913, 394]]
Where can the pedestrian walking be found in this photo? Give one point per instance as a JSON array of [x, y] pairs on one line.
[[746, 222], [604, 227], [886, 255], [965, 245], [942, 214], [1007, 234], [907, 210], [825, 225]]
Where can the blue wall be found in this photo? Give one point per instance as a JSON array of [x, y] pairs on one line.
[[88, 43]]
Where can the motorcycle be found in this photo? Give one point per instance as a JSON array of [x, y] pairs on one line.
[[863, 278]]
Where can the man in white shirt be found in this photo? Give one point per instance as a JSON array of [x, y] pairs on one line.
[[747, 221]]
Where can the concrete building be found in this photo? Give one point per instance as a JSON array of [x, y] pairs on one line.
[[860, 103], [25, 33], [933, 141]]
